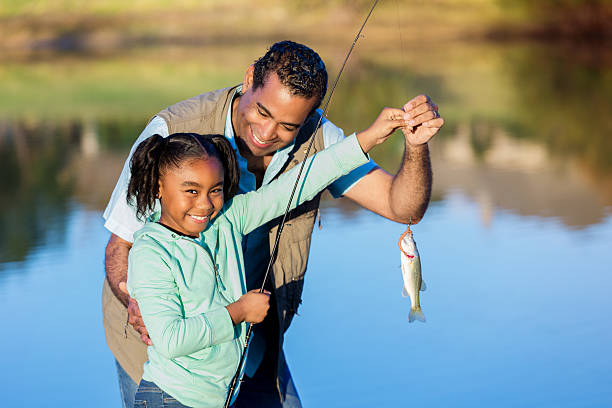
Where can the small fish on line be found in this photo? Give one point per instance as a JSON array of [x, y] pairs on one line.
[[411, 272]]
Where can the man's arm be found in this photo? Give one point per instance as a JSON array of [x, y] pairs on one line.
[[116, 265], [402, 197]]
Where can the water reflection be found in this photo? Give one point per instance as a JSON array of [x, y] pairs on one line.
[[34, 192], [540, 147], [48, 165], [564, 102], [521, 176]]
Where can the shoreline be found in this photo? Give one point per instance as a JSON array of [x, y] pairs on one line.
[[94, 34]]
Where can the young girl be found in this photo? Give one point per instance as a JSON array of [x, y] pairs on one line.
[[186, 268]]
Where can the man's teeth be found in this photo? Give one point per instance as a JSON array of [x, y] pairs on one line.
[[258, 140]]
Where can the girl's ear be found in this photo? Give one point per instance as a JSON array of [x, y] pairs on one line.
[[159, 189]]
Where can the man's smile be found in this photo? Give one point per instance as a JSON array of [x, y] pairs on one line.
[[258, 141]]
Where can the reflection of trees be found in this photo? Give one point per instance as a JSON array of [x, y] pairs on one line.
[[556, 111], [519, 175], [33, 196], [481, 136], [565, 104], [574, 19], [550, 101], [45, 166], [119, 134], [366, 88], [560, 102]]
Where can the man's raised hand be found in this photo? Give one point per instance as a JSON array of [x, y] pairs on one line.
[[423, 120], [418, 119]]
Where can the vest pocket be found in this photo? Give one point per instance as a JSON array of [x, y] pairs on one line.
[[298, 228]]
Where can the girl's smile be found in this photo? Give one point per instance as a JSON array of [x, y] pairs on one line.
[[200, 219], [191, 194]]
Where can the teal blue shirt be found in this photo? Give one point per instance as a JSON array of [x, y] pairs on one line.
[[183, 285]]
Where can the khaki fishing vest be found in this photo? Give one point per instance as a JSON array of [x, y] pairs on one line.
[[206, 114]]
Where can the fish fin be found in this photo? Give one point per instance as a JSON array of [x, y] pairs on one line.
[[416, 314], [404, 293], [423, 286]]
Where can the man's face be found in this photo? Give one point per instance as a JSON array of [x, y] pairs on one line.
[[268, 118]]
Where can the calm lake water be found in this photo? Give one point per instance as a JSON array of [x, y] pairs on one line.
[[516, 245]]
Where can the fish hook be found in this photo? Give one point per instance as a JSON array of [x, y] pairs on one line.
[[407, 232]]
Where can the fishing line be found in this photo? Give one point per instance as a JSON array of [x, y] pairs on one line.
[[399, 29], [284, 219], [404, 60]]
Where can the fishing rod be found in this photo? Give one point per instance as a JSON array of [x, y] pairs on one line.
[[284, 219]]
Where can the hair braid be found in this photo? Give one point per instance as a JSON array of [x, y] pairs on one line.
[[144, 181], [230, 165]]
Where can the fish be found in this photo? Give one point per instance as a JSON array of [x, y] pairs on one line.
[[411, 272]]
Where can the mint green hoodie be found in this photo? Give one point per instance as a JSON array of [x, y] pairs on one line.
[[182, 285]]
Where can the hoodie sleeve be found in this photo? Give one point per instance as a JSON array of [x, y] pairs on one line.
[[151, 283], [249, 211]]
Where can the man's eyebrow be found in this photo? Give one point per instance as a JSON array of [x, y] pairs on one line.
[[263, 108]]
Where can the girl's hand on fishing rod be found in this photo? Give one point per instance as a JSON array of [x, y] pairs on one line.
[[252, 307], [423, 120], [389, 120]]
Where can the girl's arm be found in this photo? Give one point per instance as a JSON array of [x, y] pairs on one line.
[[249, 211], [151, 283]]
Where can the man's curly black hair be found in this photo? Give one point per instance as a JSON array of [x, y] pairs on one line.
[[298, 67]]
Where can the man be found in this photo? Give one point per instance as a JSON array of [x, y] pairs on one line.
[[269, 120]]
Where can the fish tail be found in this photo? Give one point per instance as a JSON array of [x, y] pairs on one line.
[[416, 314]]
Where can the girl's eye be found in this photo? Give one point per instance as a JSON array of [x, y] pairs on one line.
[[191, 191], [216, 190]]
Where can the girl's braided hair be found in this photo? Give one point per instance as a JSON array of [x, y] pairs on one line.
[[156, 154]]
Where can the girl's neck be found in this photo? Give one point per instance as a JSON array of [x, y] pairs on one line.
[[176, 231]]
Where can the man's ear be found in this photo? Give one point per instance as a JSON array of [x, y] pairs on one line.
[[247, 84]]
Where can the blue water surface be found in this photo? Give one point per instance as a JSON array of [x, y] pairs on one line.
[[517, 315], [50, 307]]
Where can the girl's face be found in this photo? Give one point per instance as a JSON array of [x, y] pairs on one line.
[[191, 195]]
